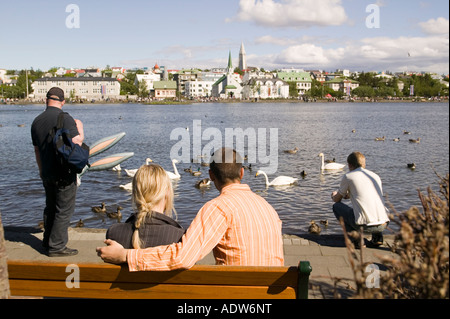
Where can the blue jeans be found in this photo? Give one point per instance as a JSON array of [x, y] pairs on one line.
[[59, 207], [346, 212]]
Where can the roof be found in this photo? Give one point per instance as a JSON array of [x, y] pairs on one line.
[[295, 76], [168, 85], [220, 80], [70, 79], [340, 80]]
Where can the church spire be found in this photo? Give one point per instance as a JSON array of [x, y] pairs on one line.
[[230, 64], [242, 58]]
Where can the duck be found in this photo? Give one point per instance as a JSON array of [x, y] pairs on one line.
[[396, 139], [203, 183], [411, 166], [314, 228], [99, 209], [406, 133], [21, 125], [324, 222], [132, 172], [353, 131], [175, 175], [294, 151], [188, 170], [415, 141], [80, 224], [380, 139], [197, 173], [249, 167], [279, 181], [115, 215], [303, 174], [330, 166]]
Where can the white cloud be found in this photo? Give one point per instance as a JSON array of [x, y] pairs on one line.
[[292, 13], [426, 53], [435, 26]]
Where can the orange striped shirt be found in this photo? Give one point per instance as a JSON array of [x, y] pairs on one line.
[[239, 226]]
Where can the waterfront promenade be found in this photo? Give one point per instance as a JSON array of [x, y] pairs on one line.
[[327, 254]]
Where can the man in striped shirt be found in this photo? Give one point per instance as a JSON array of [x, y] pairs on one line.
[[239, 226]]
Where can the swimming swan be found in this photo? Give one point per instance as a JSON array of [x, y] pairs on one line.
[[279, 181], [330, 166], [132, 172], [174, 175]]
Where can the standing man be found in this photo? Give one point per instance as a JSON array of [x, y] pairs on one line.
[[364, 189], [60, 183], [239, 226]]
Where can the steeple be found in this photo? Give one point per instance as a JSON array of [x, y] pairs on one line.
[[242, 58], [230, 64]]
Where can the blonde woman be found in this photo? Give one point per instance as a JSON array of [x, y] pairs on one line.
[[151, 225]]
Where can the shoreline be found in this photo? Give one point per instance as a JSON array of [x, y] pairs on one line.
[[190, 102]]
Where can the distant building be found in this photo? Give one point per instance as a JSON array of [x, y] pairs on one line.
[[89, 88], [343, 85], [183, 76], [318, 76], [164, 90], [300, 77], [197, 88], [149, 78], [264, 88], [229, 85]]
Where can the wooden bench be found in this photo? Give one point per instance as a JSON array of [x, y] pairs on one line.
[[44, 279]]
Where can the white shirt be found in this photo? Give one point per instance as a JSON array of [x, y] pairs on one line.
[[366, 194]]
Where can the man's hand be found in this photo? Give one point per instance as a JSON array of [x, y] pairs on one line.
[[336, 197], [113, 253], [79, 139]]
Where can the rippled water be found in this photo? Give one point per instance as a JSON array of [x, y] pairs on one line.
[[314, 128]]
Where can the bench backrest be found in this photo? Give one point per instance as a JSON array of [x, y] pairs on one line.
[[29, 278]]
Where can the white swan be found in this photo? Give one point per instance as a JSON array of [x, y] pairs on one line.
[[127, 187], [279, 181], [132, 172], [174, 175], [330, 166]]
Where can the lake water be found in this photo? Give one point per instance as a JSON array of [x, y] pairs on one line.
[[314, 128]]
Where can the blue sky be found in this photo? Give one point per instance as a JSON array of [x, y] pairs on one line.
[[308, 34]]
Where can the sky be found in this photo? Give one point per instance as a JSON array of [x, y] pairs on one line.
[[359, 35]]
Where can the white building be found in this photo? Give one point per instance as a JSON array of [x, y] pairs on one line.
[[263, 88], [197, 88], [149, 78], [90, 88]]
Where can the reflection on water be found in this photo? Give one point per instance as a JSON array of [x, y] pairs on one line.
[[313, 128]]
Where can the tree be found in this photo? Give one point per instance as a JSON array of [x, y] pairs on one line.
[[364, 91], [293, 92], [143, 90]]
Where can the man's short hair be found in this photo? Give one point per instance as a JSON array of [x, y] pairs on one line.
[[357, 159], [226, 165]]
